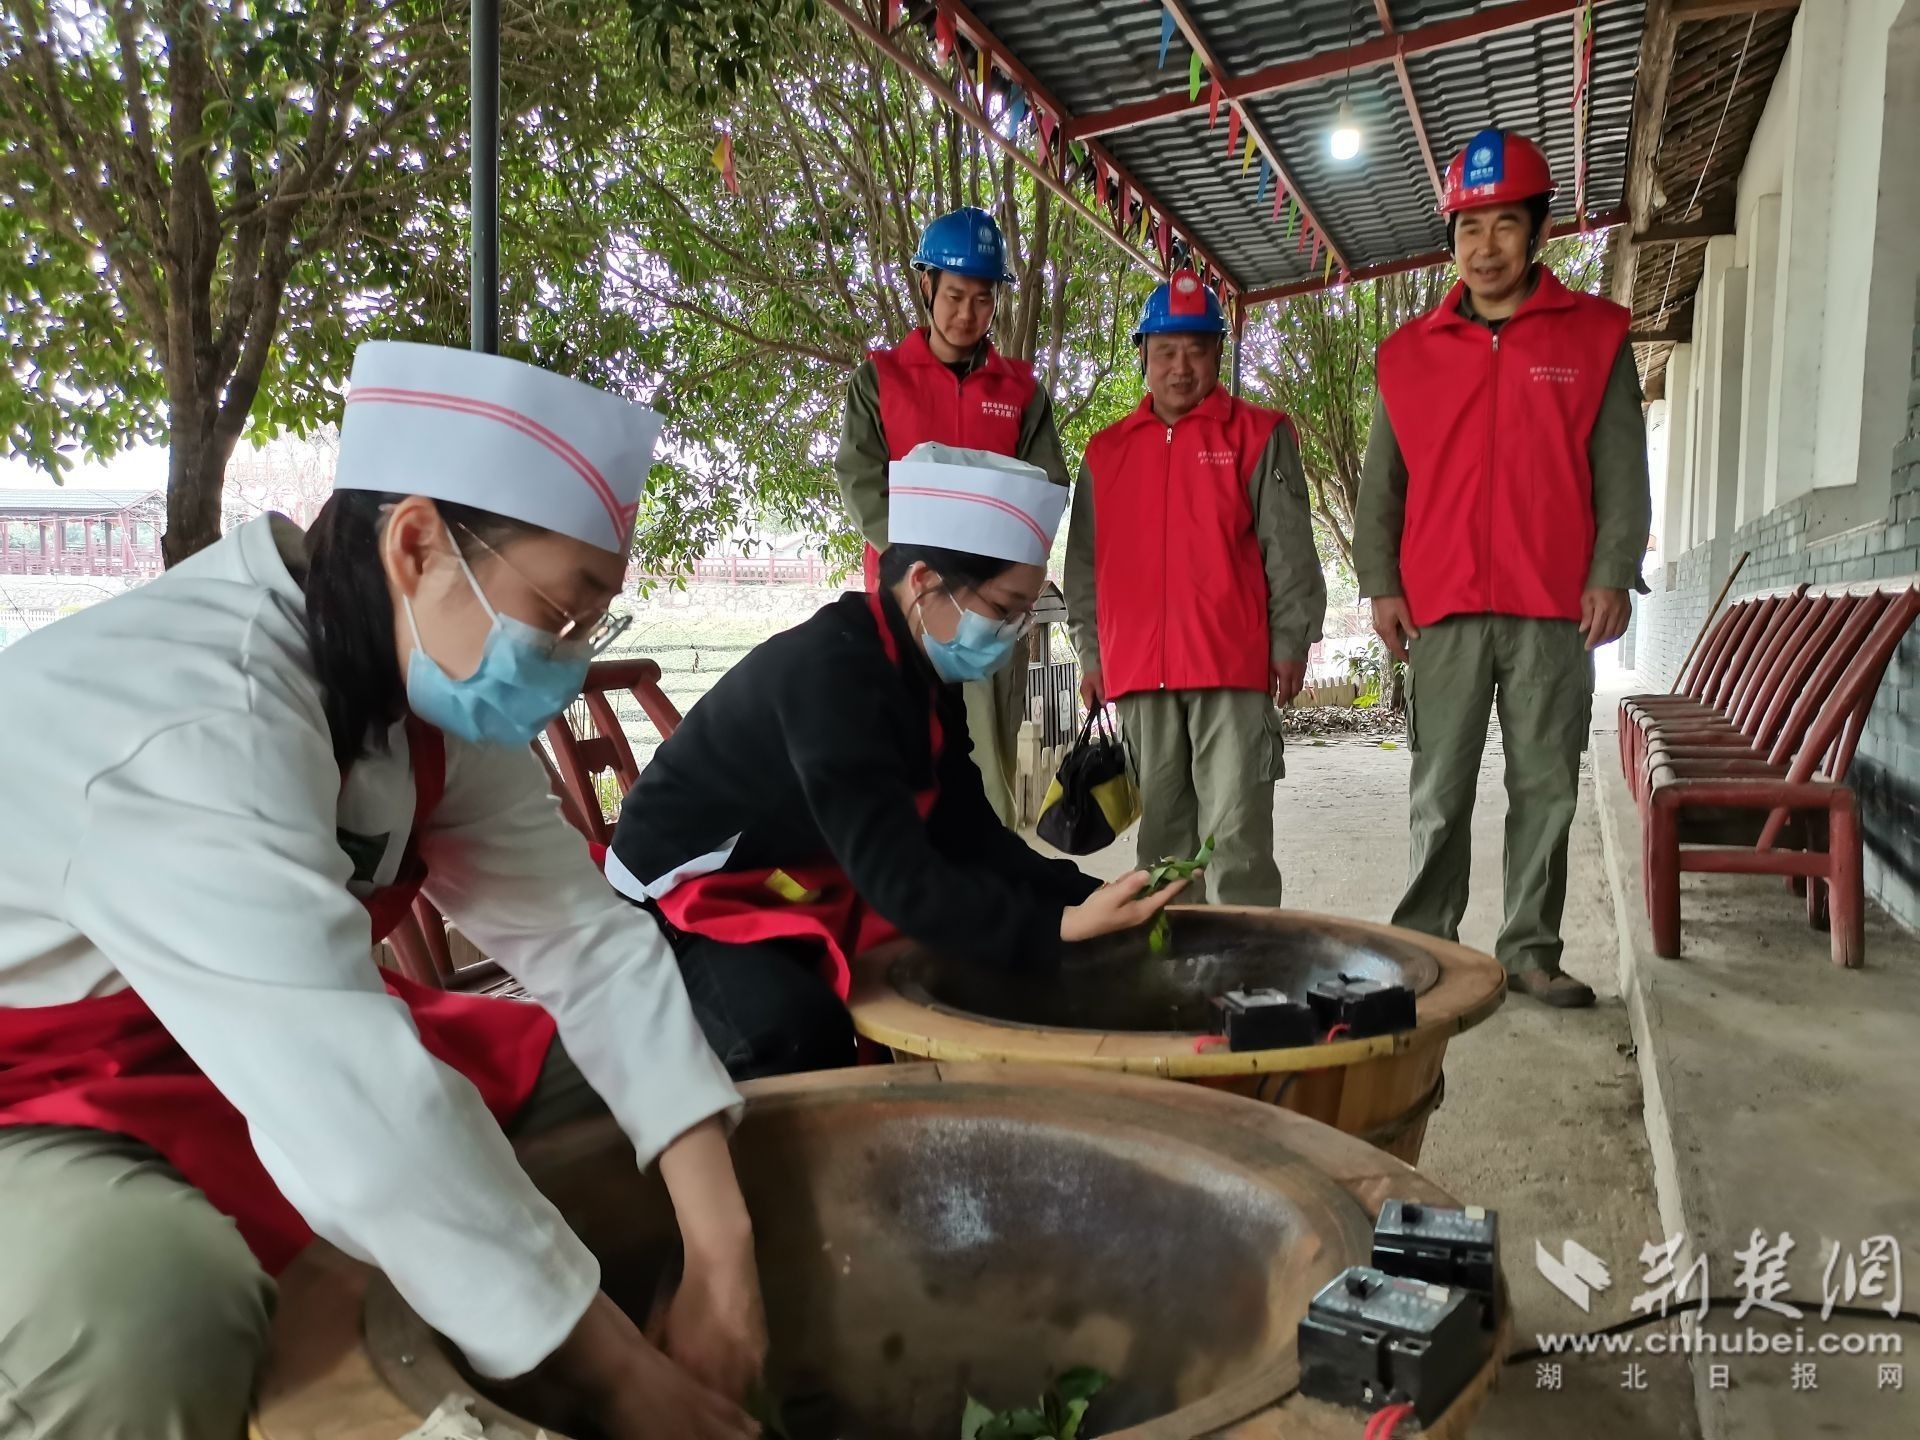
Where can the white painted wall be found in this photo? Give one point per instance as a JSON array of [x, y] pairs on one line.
[[1659, 434], [1799, 384], [1674, 539]]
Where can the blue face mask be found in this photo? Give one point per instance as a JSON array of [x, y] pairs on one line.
[[979, 648], [519, 685]]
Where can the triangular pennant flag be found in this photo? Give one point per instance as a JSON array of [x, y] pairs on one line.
[[1146, 216], [942, 36], [1306, 230], [1166, 35], [1264, 176], [1016, 110], [723, 162], [1327, 274], [1246, 160], [1279, 198], [1233, 131], [1213, 102], [1293, 215], [980, 72], [1044, 123], [1166, 244], [893, 14], [1193, 76]]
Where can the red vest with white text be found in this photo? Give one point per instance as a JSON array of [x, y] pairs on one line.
[[1494, 430], [1180, 580], [922, 400]]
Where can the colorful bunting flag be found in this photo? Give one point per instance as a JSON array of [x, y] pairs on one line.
[[1045, 124], [1016, 111], [893, 14], [1246, 159], [1193, 76], [1306, 229], [1166, 245], [1233, 131], [1293, 215], [942, 36], [1213, 102], [723, 162], [1327, 274], [1279, 198], [980, 72], [1146, 216], [1166, 35], [1265, 175]]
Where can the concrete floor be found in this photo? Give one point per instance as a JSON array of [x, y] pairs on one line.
[[1542, 1119]]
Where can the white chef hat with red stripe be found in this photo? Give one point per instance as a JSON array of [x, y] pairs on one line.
[[497, 435], [975, 502]]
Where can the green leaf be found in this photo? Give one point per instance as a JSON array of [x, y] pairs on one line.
[[1070, 1427], [1161, 935], [1083, 1382], [975, 1419]]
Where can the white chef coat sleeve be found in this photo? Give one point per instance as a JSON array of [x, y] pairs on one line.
[[210, 875], [519, 882]]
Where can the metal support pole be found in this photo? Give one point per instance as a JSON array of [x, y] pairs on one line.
[[484, 201]]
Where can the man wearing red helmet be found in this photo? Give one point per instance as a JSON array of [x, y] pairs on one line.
[[947, 383], [1194, 592], [1504, 510]]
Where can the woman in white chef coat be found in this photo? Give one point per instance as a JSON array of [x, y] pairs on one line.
[[222, 787]]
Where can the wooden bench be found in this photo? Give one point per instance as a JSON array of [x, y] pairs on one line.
[[1743, 769]]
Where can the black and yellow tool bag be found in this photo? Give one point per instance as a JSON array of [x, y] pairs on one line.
[[1093, 797]]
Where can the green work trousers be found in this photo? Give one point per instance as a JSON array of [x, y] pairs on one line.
[[130, 1308], [1538, 674], [1207, 761], [995, 708]]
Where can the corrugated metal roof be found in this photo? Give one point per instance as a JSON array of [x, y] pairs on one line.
[[1094, 56], [72, 502]]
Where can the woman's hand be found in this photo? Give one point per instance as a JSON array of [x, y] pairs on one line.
[[632, 1391], [1117, 906], [716, 1327]]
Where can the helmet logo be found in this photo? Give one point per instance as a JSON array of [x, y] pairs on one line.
[[1486, 160]]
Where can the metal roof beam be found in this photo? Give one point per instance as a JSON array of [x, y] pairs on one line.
[[1382, 50], [975, 30], [1190, 28], [1398, 267], [948, 96], [1687, 10], [1407, 97]]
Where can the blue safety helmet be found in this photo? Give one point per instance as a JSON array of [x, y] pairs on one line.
[[967, 242], [1181, 305]]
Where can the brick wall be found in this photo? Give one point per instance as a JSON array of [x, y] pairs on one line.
[[1886, 771]]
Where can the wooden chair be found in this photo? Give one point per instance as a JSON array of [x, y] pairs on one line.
[[1788, 811], [424, 948]]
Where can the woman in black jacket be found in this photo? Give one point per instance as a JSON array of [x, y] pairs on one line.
[[821, 798]]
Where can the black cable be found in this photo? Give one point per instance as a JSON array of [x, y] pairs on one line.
[[1717, 1302]]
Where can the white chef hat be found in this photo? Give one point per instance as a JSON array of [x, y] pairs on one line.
[[973, 501], [504, 437]]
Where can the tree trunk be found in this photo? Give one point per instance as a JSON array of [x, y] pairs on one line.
[[196, 470]]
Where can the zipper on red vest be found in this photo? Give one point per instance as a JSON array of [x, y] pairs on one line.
[[1166, 523], [1493, 405]]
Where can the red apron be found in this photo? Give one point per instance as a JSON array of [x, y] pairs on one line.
[[798, 902], [107, 1064]]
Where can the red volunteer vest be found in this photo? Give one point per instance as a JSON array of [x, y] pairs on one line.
[[1181, 583], [799, 902], [922, 400], [107, 1063], [1494, 430]]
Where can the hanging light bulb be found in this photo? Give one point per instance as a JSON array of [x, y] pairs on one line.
[[1344, 139]]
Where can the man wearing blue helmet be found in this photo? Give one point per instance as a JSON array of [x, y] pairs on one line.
[[946, 383], [1195, 592]]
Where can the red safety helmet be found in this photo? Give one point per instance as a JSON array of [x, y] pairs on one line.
[[1497, 167]]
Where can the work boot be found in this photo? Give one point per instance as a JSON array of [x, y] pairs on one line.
[[1551, 987]]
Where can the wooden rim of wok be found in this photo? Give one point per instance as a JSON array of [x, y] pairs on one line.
[[322, 1381], [1472, 985]]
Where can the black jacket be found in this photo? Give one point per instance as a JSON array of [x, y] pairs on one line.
[[812, 749]]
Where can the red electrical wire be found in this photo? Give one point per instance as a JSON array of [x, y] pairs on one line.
[[1385, 1422], [1334, 1032]]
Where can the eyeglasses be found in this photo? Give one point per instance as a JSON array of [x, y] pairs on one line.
[[588, 635], [1008, 625]]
